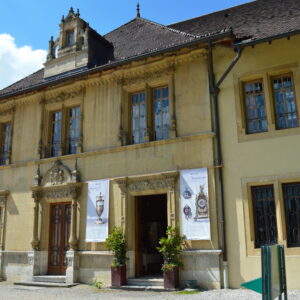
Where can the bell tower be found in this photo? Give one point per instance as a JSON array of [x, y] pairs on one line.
[[77, 47]]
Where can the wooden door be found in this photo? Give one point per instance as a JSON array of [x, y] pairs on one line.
[[60, 220]]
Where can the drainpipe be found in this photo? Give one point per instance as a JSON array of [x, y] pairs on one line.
[[214, 92]]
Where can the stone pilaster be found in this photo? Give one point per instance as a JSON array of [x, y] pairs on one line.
[[72, 271], [35, 242]]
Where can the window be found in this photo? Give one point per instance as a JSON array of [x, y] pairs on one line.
[[291, 197], [139, 117], [150, 121], [256, 118], [65, 131], [5, 143], [70, 38], [161, 113], [73, 130], [56, 133], [264, 215], [284, 101]]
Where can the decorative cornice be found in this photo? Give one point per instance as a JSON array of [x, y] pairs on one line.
[[161, 181], [62, 95]]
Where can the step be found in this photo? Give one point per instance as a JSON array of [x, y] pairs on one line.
[[46, 284], [141, 288], [49, 278], [145, 282]]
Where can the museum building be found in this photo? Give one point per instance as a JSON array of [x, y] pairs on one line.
[[194, 123]]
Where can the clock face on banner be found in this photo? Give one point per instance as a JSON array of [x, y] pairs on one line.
[[194, 202]]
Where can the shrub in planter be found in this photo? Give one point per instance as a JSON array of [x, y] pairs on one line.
[[115, 242], [171, 248]]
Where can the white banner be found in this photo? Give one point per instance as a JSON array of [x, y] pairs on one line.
[[194, 204], [97, 211]]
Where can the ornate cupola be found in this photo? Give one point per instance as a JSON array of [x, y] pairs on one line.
[[77, 47]]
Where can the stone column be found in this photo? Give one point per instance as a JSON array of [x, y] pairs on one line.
[[35, 243], [3, 197], [73, 234], [171, 182], [122, 183]]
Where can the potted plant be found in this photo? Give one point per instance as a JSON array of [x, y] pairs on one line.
[[115, 242], [171, 248]]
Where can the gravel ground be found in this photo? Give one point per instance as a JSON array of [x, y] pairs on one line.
[[9, 291]]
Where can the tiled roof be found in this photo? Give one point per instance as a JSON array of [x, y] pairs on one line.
[[141, 36], [254, 20], [251, 21]]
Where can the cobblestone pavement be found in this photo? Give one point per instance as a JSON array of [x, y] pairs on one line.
[[82, 292]]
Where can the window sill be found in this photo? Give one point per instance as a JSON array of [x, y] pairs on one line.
[[243, 137]]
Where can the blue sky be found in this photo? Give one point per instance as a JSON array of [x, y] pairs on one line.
[[26, 25]]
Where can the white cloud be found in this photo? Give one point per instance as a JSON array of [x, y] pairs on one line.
[[17, 62]]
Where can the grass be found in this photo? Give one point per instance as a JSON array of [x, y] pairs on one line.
[[187, 292]]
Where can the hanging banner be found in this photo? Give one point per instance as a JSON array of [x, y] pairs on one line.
[[194, 204], [97, 211]]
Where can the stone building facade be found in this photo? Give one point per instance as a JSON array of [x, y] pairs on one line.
[[91, 114]]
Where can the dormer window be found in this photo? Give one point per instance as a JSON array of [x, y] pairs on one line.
[[70, 38]]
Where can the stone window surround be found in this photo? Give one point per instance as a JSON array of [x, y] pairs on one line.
[[265, 75], [276, 181], [147, 83], [7, 116], [62, 101]]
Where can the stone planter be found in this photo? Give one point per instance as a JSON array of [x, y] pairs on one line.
[[118, 276], [171, 279]]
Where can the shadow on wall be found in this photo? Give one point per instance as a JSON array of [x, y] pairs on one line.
[[11, 206]]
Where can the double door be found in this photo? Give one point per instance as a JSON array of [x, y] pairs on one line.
[[60, 221]]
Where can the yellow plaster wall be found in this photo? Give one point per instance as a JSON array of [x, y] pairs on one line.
[[266, 157], [103, 157]]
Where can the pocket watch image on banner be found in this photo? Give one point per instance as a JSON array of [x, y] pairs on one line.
[[99, 208], [187, 194], [187, 211], [201, 203]]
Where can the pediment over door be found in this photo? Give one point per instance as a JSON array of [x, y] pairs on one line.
[[58, 174], [58, 182]]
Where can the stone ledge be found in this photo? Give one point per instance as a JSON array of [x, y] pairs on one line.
[[201, 252], [103, 253]]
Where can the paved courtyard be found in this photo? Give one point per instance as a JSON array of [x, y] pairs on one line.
[[9, 291]]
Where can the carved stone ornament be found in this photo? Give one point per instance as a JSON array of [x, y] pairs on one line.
[[58, 174], [164, 181]]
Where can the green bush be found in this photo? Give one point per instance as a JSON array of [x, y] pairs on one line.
[[97, 284], [171, 248], [115, 242]]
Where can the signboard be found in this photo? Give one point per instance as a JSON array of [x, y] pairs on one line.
[[194, 204], [97, 211]]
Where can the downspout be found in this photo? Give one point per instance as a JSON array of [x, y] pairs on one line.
[[214, 89]]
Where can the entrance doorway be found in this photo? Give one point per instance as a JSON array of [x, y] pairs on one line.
[[60, 221], [151, 225]]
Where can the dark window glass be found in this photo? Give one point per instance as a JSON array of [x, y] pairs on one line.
[[256, 117], [161, 113], [264, 215], [285, 103], [70, 38], [56, 133], [291, 195], [138, 101], [73, 129], [5, 143]]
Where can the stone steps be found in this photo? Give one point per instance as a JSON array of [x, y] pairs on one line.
[[47, 281], [144, 284], [49, 278], [46, 284]]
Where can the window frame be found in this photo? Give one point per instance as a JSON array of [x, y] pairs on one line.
[[9, 151], [47, 133], [244, 104], [274, 102], [266, 75]]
